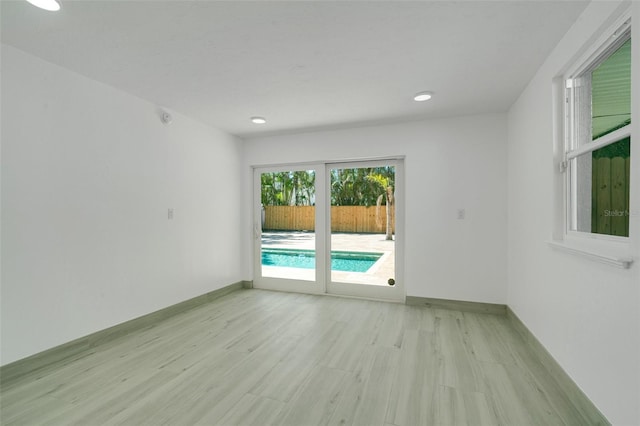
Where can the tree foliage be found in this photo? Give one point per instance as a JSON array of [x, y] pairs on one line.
[[349, 187], [356, 187], [291, 188]]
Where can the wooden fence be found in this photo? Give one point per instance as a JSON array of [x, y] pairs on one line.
[[343, 218], [610, 196]]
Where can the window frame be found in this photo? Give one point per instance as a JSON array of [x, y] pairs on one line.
[[618, 34]]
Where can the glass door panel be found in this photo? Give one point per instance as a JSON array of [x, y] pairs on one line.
[[285, 229], [362, 222]]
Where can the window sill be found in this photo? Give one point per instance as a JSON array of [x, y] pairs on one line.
[[610, 254]]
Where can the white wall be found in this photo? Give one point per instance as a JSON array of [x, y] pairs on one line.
[[585, 313], [450, 164], [88, 173]]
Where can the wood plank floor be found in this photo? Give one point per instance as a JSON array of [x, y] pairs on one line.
[[265, 358]]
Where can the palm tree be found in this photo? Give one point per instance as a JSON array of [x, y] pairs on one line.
[[383, 182]]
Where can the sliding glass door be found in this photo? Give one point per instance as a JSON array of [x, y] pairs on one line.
[[362, 229], [285, 230], [329, 228]]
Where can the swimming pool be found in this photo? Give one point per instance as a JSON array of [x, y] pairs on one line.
[[350, 261]]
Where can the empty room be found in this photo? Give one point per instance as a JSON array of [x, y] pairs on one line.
[[392, 213]]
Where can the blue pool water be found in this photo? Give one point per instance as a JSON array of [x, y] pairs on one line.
[[350, 261]]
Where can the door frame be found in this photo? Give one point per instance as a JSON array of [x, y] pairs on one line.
[[397, 292], [284, 284], [323, 284]]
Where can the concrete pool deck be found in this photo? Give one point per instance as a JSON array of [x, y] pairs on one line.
[[378, 274]]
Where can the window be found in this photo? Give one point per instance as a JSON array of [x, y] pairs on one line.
[[598, 139]]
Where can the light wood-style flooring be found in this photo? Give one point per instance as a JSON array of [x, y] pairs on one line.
[[256, 357]]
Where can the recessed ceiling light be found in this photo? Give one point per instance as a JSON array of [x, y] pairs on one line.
[[51, 5], [422, 96], [258, 120]]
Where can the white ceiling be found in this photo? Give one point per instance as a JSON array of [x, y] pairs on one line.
[[302, 65]]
